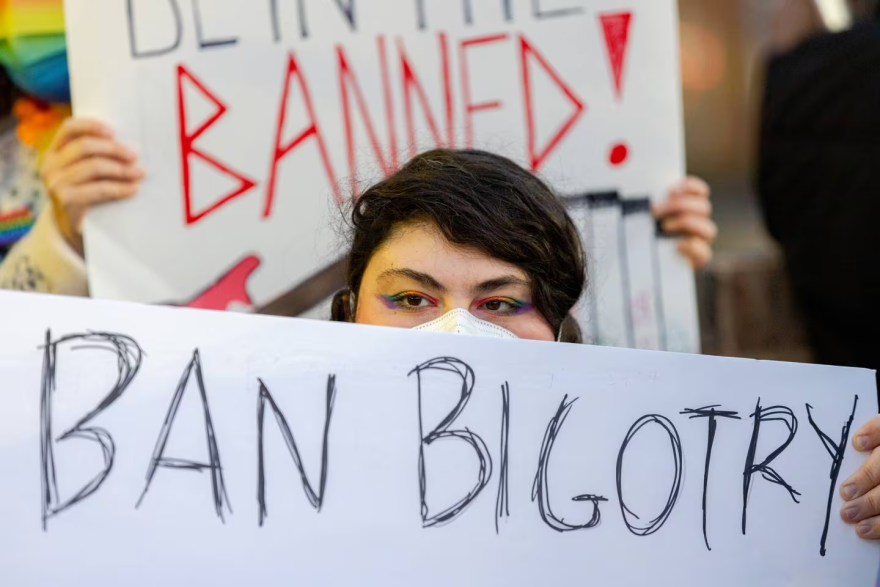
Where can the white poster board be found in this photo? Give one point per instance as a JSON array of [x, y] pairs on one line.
[[146, 446], [256, 119]]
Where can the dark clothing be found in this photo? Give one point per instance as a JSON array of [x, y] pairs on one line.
[[819, 186]]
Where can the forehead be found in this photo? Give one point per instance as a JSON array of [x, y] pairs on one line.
[[423, 248]]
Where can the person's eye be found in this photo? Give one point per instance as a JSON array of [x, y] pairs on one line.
[[409, 301], [503, 306], [414, 301]]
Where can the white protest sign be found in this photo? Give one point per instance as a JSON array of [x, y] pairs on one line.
[[256, 119], [154, 446]]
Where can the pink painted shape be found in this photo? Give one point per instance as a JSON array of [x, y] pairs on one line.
[[230, 289]]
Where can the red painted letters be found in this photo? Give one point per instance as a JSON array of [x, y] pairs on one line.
[[412, 84], [189, 150], [348, 83], [311, 131], [354, 103], [538, 157], [469, 107]]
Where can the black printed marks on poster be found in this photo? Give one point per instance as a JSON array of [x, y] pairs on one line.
[[167, 20], [455, 376]]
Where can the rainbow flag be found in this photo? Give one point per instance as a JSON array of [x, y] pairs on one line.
[[33, 48], [14, 225]]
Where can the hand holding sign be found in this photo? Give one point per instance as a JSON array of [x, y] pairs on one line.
[[862, 490], [85, 167], [688, 213]]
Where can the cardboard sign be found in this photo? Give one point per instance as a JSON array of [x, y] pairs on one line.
[[256, 120], [154, 446]]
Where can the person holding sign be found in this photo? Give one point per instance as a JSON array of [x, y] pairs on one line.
[[470, 243], [33, 55]]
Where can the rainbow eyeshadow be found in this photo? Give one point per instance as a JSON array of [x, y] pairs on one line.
[[393, 302], [519, 307], [522, 308]]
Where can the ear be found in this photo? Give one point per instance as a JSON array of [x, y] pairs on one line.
[[341, 310], [570, 331]]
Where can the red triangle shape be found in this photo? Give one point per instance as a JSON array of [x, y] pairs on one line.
[[616, 30], [537, 157], [188, 148]]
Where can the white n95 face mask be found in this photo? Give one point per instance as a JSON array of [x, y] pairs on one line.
[[461, 321]]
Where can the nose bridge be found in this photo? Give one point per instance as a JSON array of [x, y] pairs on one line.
[[456, 301], [463, 313]]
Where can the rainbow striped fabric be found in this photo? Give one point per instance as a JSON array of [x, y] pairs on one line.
[[22, 196], [14, 225], [33, 48]]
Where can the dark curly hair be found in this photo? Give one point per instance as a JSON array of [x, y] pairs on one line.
[[480, 200]]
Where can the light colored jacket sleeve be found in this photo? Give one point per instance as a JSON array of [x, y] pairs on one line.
[[43, 262]]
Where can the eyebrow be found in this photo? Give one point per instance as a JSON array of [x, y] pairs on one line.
[[423, 278], [500, 282], [428, 281]]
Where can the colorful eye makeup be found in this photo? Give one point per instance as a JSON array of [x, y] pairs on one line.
[[504, 306], [408, 300], [494, 306]]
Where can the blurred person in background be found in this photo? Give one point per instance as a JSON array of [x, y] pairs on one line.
[[819, 186], [34, 253], [819, 170]]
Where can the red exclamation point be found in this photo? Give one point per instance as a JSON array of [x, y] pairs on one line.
[[615, 27]]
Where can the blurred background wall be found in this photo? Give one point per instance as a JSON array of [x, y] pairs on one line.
[[746, 305]]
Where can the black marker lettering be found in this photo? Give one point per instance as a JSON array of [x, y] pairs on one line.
[[540, 488], [129, 356], [774, 414], [347, 7], [657, 523], [502, 504], [467, 9], [423, 18], [303, 19], [466, 374], [200, 34], [276, 23], [315, 499], [213, 465], [712, 414], [540, 13], [136, 52], [836, 451]]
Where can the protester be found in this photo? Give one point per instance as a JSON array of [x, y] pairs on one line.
[[469, 242], [82, 168], [33, 55], [49, 258]]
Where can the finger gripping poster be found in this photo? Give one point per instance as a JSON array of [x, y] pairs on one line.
[[256, 120], [142, 445]]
